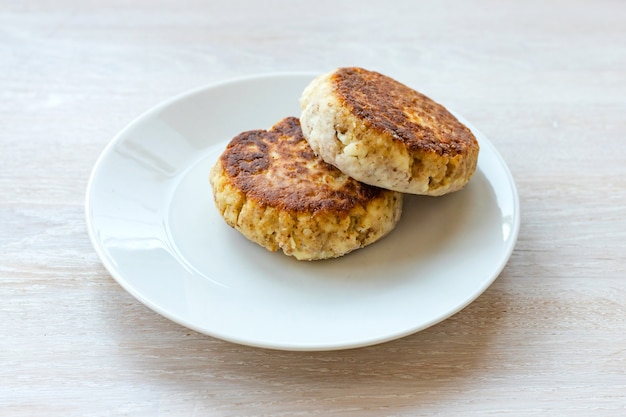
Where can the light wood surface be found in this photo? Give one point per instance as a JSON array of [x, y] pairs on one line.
[[544, 80]]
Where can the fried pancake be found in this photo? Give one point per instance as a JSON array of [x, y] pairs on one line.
[[383, 133], [270, 186]]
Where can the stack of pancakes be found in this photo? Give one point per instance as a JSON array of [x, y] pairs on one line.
[[333, 181]]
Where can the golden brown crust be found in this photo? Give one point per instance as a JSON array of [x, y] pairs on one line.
[[397, 111], [278, 168]]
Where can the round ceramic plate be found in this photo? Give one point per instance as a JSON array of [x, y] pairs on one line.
[[152, 221]]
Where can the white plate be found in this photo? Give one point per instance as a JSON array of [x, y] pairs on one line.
[[152, 221]]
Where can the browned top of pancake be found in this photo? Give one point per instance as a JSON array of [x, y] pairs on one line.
[[392, 108], [278, 168]]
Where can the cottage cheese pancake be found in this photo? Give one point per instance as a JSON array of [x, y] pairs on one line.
[[383, 133], [271, 187]]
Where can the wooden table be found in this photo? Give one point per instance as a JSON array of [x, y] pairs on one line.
[[544, 80]]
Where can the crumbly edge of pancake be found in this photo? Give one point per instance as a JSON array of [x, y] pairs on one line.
[[306, 236]]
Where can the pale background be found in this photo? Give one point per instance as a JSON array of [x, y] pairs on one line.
[[544, 80]]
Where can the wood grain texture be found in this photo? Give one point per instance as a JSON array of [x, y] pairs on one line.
[[545, 81]]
